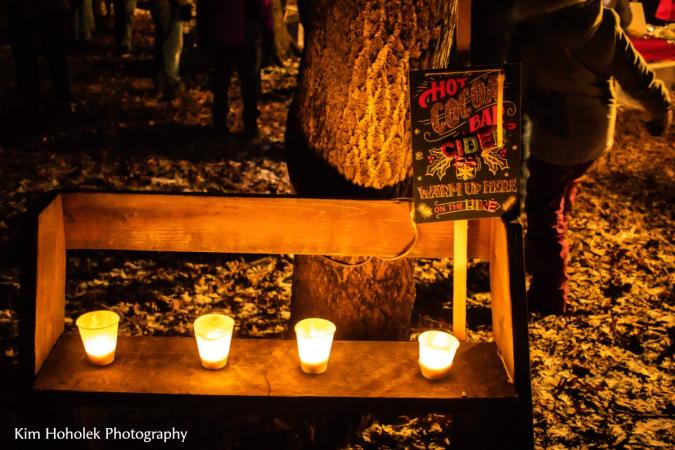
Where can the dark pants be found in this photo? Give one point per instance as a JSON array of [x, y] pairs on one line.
[[124, 21], [25, 33], [550, 197], [225, 61]]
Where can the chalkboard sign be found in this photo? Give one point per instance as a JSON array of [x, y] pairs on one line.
[[465, 141]]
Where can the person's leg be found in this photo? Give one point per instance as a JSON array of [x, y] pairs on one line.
[[118, 23], [157, 11], [570, 196], [87, 24], [124, 21], [249, 75], [223, 67], [172, 51], [168, 46], [98, 9], [22, 31], [77, 25], [546, 247], [102, 14], [83, 21], [54, 43]]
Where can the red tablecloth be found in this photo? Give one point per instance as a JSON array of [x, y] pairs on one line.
[[655, 49]]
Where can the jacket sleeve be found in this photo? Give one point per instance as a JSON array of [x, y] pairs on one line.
[[638, 80], [609, 52], [624, 12]]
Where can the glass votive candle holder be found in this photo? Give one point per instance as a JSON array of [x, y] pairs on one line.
[[98, 330], [437, 351], [214, 335], [315, 338]]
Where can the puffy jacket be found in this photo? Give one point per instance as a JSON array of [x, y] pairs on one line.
[[570, 59]]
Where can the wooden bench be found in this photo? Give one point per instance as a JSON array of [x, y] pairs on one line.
[[488, 375]]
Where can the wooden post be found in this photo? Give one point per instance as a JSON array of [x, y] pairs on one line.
[[43, 283], [50, 282], [524, 431], [459, 262]]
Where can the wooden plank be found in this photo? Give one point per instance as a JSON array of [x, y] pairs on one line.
[[459, 264], [201, 223], [521, 351], [50, 281], [502, 315], [270, 368]]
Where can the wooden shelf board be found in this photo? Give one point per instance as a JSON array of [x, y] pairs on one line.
[[278, 225], [269, 368]]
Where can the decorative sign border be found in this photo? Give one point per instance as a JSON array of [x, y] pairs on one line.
[[466, 142]]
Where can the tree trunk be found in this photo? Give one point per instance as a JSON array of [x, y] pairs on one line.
[[348, 135]]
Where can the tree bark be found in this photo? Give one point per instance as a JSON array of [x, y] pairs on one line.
[[348, 135]]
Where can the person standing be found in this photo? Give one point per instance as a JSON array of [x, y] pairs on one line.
[[123, 25], [167, 16], [571, 59], [83, 22], [229, 29], [103, 16]]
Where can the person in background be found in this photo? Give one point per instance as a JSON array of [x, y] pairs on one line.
[[650, 8], [228, 30], [570, 59], [167, 16], [123, 25], [45, 21], [665, 11], [103, 14]]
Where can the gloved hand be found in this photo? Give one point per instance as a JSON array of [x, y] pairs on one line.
[[659, 126]]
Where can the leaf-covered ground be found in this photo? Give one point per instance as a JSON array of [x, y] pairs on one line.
[[602, 376]]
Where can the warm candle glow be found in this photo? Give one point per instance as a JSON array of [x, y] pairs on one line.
[[437, 350], [98, 330], [214, 335], [315, 337]]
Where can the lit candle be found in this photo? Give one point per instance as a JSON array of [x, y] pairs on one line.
[[315, 337], [437, 350], [98, 330], [214, 334]]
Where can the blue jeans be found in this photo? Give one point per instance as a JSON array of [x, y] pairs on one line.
[[168, 43]]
